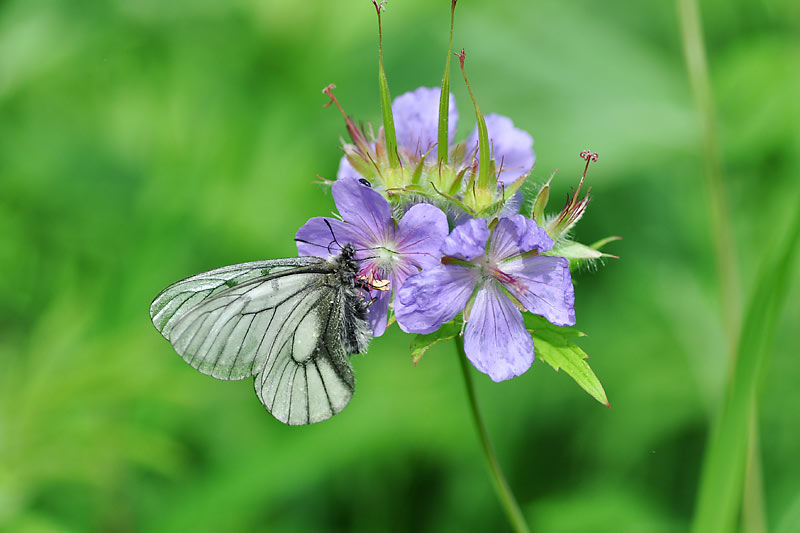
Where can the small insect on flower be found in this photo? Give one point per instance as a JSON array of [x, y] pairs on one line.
[[290, 323]]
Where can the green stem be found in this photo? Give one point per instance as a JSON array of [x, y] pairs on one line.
[[753, 512], [699, 80], [730, 295], [507, 499]]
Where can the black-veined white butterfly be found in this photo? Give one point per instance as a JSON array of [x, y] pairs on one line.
[[290, 323]]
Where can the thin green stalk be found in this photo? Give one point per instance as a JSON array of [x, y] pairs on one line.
[[725, 463], [444, 97], [507, 499], [699, 80], [753, 511], [386, 99], [729, 288]]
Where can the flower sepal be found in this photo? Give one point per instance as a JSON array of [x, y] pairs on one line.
[[540, 202], [580, 254]]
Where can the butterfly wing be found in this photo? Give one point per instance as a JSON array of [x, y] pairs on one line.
[[277, 320], [307, 377]]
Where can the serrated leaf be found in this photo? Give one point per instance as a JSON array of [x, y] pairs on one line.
[[572, 359], [423, 343], [553, 345], [540, 324]]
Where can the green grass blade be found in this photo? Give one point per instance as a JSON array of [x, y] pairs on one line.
[[722, 476]]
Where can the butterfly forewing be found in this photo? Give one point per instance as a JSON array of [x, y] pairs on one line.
[[277, 320], [174, 301]]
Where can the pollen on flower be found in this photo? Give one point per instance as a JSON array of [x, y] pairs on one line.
[[381, 285], [371, 279]]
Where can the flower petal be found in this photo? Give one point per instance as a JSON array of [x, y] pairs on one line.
[[510, 146], [364, 208], [516, 235], [468, 240], [416, 120], [399, 273], [316, 238], [435, 296], [378, 312], [496, 341], [346, 170], [420, 234], [543, 285]]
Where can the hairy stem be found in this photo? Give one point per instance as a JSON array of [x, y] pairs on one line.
[[507, 499]]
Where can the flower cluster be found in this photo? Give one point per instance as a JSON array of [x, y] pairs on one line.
[[438, 229]]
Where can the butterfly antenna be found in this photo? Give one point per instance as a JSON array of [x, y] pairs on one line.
[[369, 248], [332, 235], [308, 242]]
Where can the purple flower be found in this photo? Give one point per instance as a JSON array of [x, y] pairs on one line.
[[386, 250], [416, 119], [512, 148], [480, 279]]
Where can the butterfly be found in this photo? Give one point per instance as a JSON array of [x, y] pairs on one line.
[[290, 323]]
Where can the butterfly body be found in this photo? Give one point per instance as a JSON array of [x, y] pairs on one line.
[[290, 323]]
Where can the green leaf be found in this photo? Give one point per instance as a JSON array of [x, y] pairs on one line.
[[553, 345], [540, 325], [423, 343], [791, 517]]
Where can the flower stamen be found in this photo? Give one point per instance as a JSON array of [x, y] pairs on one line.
[[501, 276], [356, 133]]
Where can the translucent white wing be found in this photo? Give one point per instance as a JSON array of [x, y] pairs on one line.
[[278, 320], [307, 377], [180, 297]]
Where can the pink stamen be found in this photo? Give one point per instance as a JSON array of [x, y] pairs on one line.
[[501, 276]]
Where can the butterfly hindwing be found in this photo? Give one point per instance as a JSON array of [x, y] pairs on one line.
[[278, 320], [308, 378]]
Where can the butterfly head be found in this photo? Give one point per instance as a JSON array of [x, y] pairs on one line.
[[348, 252], [346, 264]]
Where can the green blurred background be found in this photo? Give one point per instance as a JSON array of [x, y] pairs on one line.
[[142, 141]]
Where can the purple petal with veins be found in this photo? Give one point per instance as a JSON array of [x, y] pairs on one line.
[[385, 250], [495, 340]]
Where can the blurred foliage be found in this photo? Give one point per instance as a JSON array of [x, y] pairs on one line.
[[144, 141]]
